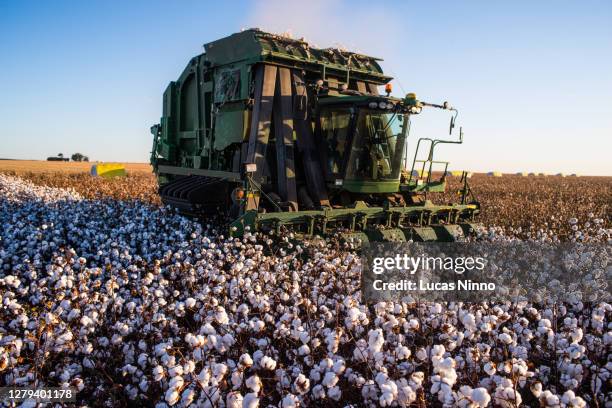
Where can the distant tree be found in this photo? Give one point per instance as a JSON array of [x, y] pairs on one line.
[[77, 157], [85, 158], [60, 155]]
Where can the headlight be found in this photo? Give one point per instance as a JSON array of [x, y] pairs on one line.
[[382, 105], [373, 105]]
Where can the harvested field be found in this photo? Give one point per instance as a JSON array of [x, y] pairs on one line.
[[139, 184], [526, 206], [40, 166], [105, 291], [521, 205]]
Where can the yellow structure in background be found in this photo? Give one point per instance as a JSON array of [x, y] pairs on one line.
[[494, 174], [420, 173], [108, 170]]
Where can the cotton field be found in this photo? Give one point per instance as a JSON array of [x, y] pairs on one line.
[[133, 304]]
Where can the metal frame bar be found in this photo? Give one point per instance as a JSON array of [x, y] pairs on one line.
[[185, 171]]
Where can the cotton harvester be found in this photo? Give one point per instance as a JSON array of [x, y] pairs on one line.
[[281, 135]]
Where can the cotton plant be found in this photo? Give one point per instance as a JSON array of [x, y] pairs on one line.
[[181, 316]]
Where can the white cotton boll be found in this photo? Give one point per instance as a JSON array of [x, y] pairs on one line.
[[143, 385], [87, 348], [289, 401], [142, 360], [221, 316], [549, 399], [176, 382], [505, 338], [334, 393], [88, 363], [168, 360], [568, 396], [438, 351], [360, 352], [315, 375], [417, 378], [402, 352], [123, 329], [481, 397], [236, 379], [490, 368], [234, 400], [187, 397], [303, 350], [301, 385], [421, 354], [386, 399], [246, 360], [576, 335], [189, 367], [172, 396], [469, 321], [536, 389], [64, 338], [74, 313], [191, 340], [254, 383], [228, 340], [413, 324], [219, 370], [570, 400], [506, 397], [339, 366], [381, 379], [375, 340], [325, 364], [203, 378], [318, 392], [405, 395], [250, 400], [176, 370], [304, 337], [330, 379], [267, 363], [190, 302]]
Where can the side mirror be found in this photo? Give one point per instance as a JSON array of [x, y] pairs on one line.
[[452, 125]]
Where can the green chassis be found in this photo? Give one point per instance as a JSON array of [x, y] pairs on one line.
[[369, 223]]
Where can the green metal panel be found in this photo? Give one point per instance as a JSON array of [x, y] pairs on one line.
[[228, 85], [230, 125], [355, 237], [368, 187], [432, 186], [251, 46], [421, 234], [386, 235], [182, 171], [448, 233]]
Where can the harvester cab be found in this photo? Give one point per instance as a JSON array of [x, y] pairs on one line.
[[281, 135], [364, 141]]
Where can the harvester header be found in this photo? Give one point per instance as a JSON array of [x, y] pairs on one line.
[[281, 135]]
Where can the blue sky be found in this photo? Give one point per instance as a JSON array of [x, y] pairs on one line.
[[532, 80]]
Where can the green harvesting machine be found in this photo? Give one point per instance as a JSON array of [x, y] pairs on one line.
[[278, 135]]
